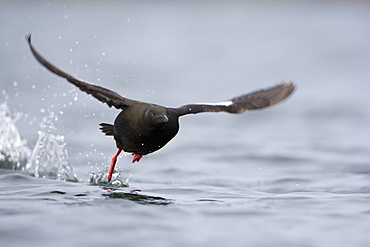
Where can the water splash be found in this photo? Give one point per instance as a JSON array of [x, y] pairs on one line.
[[49, 157], [100, 178], [14, 150]]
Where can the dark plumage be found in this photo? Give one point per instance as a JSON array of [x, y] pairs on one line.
[[142, 128]]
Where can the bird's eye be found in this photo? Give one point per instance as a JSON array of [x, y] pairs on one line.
[[154, 113]]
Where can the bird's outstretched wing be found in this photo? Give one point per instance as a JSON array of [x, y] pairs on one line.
[[251, 101], [107, 96]]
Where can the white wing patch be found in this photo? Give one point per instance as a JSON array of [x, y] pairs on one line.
[[224, 103]]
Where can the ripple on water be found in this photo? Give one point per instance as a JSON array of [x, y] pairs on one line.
[[15, 178]]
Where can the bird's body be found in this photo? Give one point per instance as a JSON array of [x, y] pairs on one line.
[[143, 128]]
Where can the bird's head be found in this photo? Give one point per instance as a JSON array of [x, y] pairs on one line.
[[157, 116]]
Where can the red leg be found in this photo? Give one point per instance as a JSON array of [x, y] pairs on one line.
[[137, 157], [113, 164]]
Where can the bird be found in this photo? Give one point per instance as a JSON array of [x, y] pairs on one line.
[[142, 128]]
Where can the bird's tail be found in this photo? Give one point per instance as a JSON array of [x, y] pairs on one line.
[[107, 129]]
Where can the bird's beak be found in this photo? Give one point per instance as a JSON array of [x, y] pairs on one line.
[[164, 119]]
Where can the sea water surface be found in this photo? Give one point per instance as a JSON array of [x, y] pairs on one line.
[[296, 174]]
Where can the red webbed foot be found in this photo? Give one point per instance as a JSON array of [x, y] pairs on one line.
[[136, 158]]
